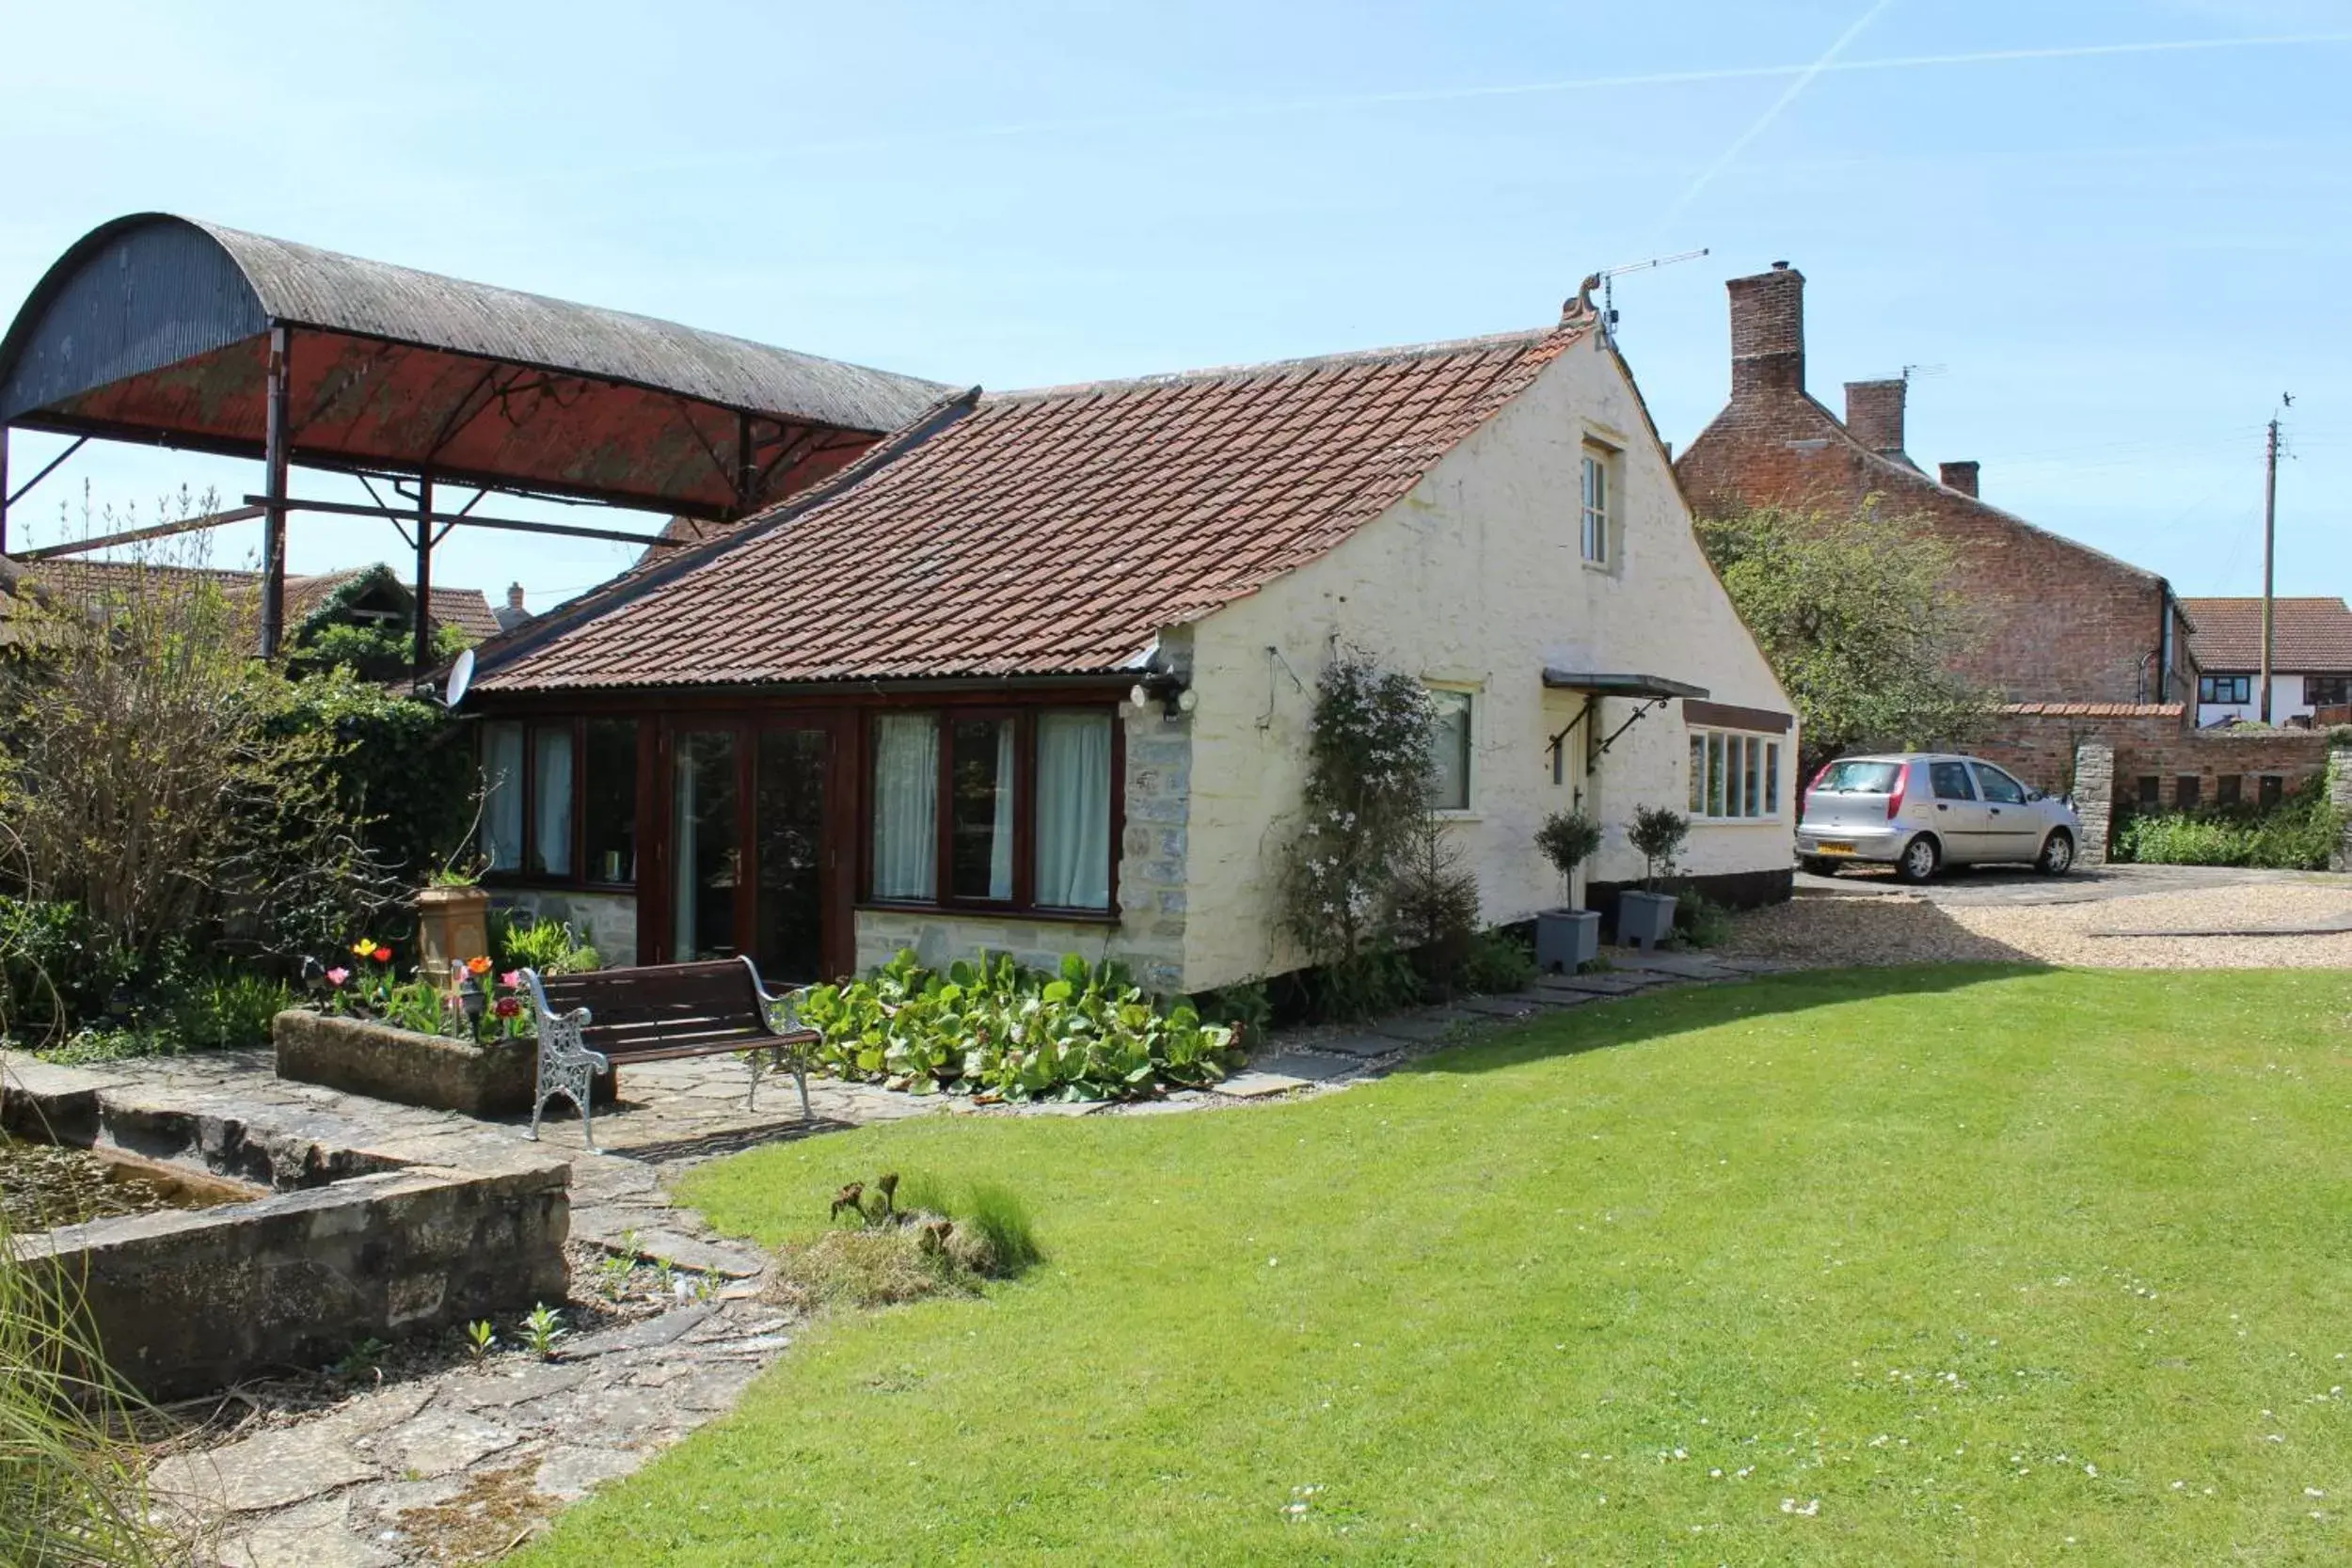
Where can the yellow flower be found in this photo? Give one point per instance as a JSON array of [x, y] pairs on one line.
[[364, 948]]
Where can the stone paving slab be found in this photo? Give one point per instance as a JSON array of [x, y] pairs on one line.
[[1299, 1065], [1364, 1047], [1257, 1086], [1683, 966], [1608, 984], [1501, 1006], [1425, 1027]]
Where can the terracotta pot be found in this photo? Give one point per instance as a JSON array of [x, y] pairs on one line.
[[452, 925]]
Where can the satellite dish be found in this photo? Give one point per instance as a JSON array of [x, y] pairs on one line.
[[460, 677]]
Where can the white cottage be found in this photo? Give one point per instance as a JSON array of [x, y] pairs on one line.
[[1034, 673]]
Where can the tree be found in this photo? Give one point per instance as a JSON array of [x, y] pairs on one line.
[[1860, 619]]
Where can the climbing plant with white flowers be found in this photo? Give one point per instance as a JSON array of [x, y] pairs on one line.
[[1367, 794]]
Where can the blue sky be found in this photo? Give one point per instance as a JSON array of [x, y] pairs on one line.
[[2119, 256]]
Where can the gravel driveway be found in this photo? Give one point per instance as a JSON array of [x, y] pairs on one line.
[[2104, 919]]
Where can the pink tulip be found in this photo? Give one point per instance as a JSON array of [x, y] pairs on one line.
[[511, 979], [337, 976]]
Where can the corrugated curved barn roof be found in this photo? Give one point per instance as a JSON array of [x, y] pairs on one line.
[[309, 287]]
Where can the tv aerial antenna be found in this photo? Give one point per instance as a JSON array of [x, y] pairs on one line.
[[1606, 281]]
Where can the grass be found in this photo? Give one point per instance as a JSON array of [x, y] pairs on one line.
[[1999, 1266]]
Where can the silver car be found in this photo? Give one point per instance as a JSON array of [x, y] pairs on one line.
[[1920, 812]]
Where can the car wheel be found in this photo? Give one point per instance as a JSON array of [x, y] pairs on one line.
[[2058, 854], [1814, 867], [1919, 860]]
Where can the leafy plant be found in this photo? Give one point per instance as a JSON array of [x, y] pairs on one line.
[[1700, 921], [1657, 834], [481, 1339], [1365, 804], [229, 1012], [542, 1330], [550, 946], [1567, 840], [994, 1028], [2299, 832], [361, 1359], [1433, 904], [72, 1487], [612, 1275], [1497, 962]]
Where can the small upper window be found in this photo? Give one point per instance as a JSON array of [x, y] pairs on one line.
[[2225, 689], [1595, 539], [1450, 752]]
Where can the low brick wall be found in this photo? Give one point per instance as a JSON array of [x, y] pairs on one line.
[[188, 1301], [2294, 757]]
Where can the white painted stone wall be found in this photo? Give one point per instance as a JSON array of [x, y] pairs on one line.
[[1475, 579]]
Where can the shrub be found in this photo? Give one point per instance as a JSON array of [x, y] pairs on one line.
[[1497, 962], [1700, 921], [2298, 834], [1434, 905], [229, 1012], [1657, 834], [1567, 840], [996, 1028]]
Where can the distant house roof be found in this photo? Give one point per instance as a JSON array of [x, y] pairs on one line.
[[1042, 532], [2306, 635], [93, 582]]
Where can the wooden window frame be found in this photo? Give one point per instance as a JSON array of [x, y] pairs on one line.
[[1770, 754], [1023, 904], [521, 876]]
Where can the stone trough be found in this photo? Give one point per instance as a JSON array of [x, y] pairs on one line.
[[349, 1244]]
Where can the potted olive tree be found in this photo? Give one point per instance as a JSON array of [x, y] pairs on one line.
[[1569, 937], [1647, 917]]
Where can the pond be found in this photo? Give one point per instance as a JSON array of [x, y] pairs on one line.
[[45, 1185]]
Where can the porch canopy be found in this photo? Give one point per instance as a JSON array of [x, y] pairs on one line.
[[172, 332]]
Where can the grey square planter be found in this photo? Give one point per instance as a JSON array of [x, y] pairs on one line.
[[1646, 919], [1565, 940]]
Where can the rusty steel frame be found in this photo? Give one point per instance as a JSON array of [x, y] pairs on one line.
[[139, 535], [510, 525]]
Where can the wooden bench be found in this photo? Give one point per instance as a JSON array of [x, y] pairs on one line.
[[608, 1017]]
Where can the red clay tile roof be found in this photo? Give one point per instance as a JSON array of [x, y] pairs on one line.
[[1044, 532], [94, 582], [2308, 636]]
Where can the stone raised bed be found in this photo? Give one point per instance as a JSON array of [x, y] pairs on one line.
[[361, 1057]]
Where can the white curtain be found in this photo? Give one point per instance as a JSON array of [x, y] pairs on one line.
[[906, 806], [503, 799], [684, 819], [552, 786], [1074, 810], [1000, 836]]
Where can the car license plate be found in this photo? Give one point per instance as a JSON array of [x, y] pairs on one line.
[[1836, 846]]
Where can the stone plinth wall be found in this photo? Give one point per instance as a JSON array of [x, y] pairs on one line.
[[2094, 800], [187, 1302], [361, 1057], [2340, 796]]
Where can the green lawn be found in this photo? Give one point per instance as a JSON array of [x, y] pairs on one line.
[[1999, 1266]]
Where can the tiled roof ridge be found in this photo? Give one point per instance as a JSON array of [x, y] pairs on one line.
[[1913, 474], [1524, 338], [2254, 600]]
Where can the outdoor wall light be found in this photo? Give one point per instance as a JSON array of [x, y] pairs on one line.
[[469, 997], [1167, 688]]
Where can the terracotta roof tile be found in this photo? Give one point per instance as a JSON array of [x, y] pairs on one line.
[[1039, 532], [2308, 636]]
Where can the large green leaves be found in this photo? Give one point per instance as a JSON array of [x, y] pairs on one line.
[[992, 1028]]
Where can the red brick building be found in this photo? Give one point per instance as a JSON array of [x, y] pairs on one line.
[[2060, 623]]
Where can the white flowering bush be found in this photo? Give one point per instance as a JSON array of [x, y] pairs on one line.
[[1366, 800]]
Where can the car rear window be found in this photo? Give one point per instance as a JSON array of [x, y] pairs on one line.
[[1859, 778]]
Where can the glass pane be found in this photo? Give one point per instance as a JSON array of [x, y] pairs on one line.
[[906, 806], [1074, 810], [1698, 775], [551, 802], [702, 910], [1949, 780], [1772, 778], [1752, 778], [790, 822], [502, 796], [980, 823], [610, 815], [1450, 752], [1715, 775]]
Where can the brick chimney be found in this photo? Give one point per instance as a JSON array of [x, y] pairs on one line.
[[1874, 415], [1958, 476], [514, 595], [1768, 331]]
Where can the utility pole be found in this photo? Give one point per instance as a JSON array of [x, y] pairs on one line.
[[2270, 544]]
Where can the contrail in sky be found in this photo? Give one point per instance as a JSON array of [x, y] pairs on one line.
[[1803, 79]]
